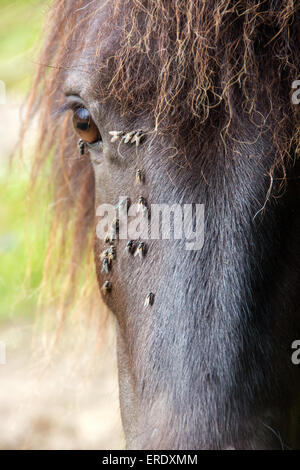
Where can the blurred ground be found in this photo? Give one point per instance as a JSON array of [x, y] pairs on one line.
[[67, 399]]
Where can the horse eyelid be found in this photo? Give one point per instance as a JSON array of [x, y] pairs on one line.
[[69, 106]]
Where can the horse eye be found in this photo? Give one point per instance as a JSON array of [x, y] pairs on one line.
[[85, 126]]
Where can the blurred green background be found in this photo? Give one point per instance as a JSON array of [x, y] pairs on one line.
[[22, 246], [20, 25]]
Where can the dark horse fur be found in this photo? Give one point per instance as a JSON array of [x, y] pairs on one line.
[[208, 366]]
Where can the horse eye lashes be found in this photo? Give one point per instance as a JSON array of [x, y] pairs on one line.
[[68, 106]]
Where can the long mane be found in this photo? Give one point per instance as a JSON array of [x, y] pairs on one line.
[[193, 66]]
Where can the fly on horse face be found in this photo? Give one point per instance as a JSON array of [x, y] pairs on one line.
[[185, 102]]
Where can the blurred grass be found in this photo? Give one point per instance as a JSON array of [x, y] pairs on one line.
[[20, 25], [23, 237], [23, 224]]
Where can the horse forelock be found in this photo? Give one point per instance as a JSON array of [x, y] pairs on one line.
[[185, 63]]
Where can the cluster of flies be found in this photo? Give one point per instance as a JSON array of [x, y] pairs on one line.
[[133, 248], [133, 137]]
